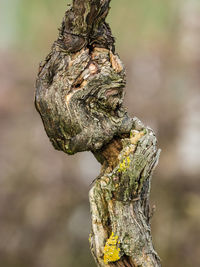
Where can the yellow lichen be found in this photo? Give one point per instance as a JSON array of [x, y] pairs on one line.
[[124, 165], [111, 251], [135, 136], [89, 238]]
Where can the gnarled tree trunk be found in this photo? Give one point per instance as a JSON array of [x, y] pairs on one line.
[[79, 95]]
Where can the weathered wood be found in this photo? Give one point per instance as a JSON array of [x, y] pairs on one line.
[[119, 203], [79, 95]]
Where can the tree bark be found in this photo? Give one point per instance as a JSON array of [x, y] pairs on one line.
[[119, 200], [79, 95]]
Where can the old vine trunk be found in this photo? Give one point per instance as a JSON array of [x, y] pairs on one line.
[[79, 95]]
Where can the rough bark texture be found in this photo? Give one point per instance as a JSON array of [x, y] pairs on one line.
[[79, 95], [80, 84], [119, 202]]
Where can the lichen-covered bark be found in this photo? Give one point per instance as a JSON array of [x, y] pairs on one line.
[[79, 95], [119, 200], [79, 90]]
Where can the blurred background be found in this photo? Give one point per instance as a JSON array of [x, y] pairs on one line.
[[44, 211]]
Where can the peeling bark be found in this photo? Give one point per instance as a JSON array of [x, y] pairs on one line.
[[79, 95]]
